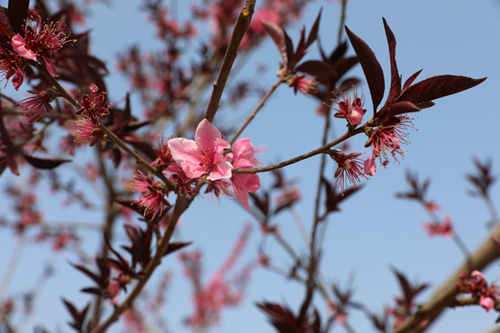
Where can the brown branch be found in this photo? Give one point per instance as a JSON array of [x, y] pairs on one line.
[[257, 108], [180, 206], [240, 28], [484, 255], [310, 154]]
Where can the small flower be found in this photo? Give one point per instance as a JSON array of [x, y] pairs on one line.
[[93, 105], [182, 182], [444, 229], [349, 169], [432, 207], [386, 140], [204, 154], [152, 195], [165, 158], [219, 187], [34, 106], [302, 84], [11, 67], [352, 111], [487, 303], [86, 131]]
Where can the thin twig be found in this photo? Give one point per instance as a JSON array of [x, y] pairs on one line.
[[240, 28], [342, 21], [257, 108], [12, 265], [310, 154]]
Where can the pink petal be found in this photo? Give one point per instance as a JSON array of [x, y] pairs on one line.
[[487, 303], [243, 148], [370, 166], [19, 45], [18, 78], [186, 153], [243, 184], [477, 274], [206, 134], [356, 116], [51, 68], [222, 167]]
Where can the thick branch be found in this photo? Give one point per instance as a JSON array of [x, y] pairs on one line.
[[240, 28], [484, 255]]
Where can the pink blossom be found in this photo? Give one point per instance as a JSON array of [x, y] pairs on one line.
[[93, 105], [20, 46], [34, 106], [487, 303], [163, 152], [244, 157], [349, 169], [10, 66], [302, 84], [370, 166], [204, 155], [182, 182], [86, 131], [152, 195], [432, 207], [352, 111], [444, 229], [386, 140]]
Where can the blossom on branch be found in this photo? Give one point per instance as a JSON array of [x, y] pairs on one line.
[[204, 155], [302, 84], [353, 110], [444, 229], [152, 194], [41, 40], [476, 285], [86, 131], [93, 105], [349, 169], [34, 106]]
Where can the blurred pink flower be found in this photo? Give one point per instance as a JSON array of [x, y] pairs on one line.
[[444, 229], [243, 157]]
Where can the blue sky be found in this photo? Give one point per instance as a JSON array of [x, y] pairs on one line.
[[375, 230]]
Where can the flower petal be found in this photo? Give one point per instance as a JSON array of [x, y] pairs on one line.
[[19, 45]]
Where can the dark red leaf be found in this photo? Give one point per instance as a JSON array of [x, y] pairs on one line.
[[90, 274], [174, 246], [313, 35], [18, 12], [395, 89], [399, 108], [4, 23], [93, 291], [281, 39], [371, 67], [319, 69], [41, 163], [116, 156], [410, 80], [436, 87]]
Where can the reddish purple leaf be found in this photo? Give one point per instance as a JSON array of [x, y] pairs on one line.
[[41, 163], [398, 108], [319, 69], [313, 35], [371, 68], [174, 246], [281, 39], [395, 89], [4, 23], [410, 80], [18, 12], [436, 87]]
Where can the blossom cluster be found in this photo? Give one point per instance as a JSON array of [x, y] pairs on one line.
[[39, 42], [476, 285], [208, 156]]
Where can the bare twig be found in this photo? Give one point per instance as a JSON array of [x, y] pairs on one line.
[[310, 154], [257, 108], [240, 28]]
